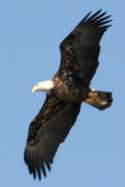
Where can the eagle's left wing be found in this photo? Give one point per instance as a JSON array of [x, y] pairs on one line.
[[80, 49], [46, 132]]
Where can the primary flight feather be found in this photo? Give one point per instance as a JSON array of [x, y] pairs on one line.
[[66, 91]]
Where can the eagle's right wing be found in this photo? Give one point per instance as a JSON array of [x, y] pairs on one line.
[[46, 132]]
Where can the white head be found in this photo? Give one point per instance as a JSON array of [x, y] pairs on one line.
[[43, 86]]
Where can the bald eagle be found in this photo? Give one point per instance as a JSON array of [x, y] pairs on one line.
[[68, 88]]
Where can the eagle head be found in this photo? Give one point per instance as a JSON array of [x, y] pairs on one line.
[[45, 86]]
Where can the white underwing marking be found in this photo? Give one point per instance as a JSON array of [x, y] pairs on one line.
[[70, 79]]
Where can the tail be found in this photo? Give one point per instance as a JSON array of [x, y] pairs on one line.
[[99, 99]]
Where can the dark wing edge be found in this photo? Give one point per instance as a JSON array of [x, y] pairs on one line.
[[80, 49], [99, 19], [40, 151]]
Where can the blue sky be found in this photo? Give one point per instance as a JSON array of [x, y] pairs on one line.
[[30, 32]]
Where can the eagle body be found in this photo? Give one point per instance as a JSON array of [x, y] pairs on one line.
[[68, 88]]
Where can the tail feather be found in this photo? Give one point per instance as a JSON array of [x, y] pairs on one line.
[[99, 99]]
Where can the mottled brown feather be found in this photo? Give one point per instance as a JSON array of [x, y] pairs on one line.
[[46, 132], [80, 49]]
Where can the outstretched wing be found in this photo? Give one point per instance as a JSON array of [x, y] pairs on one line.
[[80, 49], [46, 132]]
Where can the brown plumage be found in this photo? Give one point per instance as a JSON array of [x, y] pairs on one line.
[[47, 131], [69, 87]]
